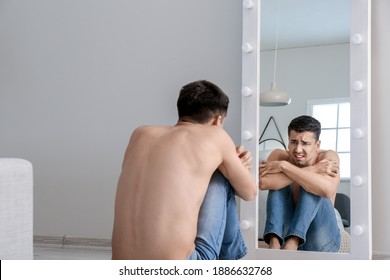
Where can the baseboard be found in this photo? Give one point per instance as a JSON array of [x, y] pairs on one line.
[[72, 242], [376, 255]]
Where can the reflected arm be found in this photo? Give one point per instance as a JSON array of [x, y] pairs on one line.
[[320, 179], [277, 179]]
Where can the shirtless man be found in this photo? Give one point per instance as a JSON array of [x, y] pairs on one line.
[[166, 207], [303, 181]]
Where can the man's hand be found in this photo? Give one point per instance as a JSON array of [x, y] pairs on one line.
[[245, 156], [329, 167], [270, 167]]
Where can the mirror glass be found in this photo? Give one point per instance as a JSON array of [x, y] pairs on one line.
[[318, 53]]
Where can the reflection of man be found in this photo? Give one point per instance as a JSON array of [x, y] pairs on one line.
[[302, 183]]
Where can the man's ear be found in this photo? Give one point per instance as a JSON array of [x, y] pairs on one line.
[[318, 144], [218, 120]]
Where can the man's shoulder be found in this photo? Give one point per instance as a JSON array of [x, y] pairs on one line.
[[280, 153], [209, 130], [327, 154], [203, 128], [143, 128], [147, 130], [217, 132]]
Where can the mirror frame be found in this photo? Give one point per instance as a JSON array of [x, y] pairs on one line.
[[360, 98]]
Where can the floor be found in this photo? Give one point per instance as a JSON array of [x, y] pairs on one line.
[[71, 248], [87, 249], [58, 253]]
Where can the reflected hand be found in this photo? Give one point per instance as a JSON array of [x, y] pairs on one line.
[[269, 167], [329, 167]]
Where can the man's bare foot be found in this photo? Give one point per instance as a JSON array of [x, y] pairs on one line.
[[292, 243], [274, 243]]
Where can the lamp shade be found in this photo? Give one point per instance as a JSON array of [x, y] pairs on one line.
[[274, 97]]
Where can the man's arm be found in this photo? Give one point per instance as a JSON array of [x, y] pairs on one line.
[[235, 166], [245, 156], [274, 180], [320, 179]]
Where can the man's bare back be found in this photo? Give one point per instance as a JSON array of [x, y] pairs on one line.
[[165, 175]]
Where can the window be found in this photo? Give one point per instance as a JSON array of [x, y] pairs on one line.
[[334, 116]]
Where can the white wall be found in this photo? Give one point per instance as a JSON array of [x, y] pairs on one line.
[[380, 127], [77, 76]]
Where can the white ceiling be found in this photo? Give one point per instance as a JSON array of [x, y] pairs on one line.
[[304, 23]]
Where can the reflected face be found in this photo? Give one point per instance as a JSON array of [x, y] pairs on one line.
[[303, 148]]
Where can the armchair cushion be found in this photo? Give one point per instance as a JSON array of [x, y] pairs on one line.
[[16, 209]]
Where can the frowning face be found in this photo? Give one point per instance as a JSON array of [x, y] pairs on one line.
[[303, 148]]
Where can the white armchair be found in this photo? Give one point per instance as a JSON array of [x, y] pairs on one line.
[[16, 209]]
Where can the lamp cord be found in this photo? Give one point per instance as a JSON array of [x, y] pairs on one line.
[[276, 39]]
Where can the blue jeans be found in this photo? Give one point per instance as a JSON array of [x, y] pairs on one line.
[[312, 219], [219, 235]]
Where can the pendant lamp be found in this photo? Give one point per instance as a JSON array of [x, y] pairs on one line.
[[274, 97]]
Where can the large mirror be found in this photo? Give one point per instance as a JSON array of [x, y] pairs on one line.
[[318, 52]]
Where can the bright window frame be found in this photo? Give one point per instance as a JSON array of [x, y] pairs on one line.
[[345, 153]]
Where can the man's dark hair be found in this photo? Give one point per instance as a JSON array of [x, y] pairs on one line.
[[305, 123], [200, 101]]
